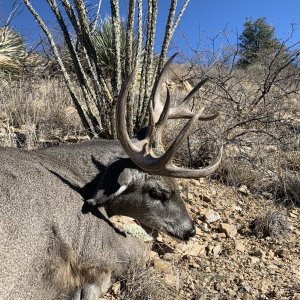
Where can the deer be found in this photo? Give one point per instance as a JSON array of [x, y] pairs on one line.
[[57, 240]]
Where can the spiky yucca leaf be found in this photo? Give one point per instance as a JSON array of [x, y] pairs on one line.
[[11, 49], [103, 42]]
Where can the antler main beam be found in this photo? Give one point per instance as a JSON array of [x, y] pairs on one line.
[[141, 152]]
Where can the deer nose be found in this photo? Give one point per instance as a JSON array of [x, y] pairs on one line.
[[190, 233], [193, 232]]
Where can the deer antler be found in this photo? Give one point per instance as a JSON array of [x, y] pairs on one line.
[[141, 152]]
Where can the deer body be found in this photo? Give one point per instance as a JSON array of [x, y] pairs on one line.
[[44, 233]]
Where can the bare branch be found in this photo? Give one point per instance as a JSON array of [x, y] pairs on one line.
[[96, 20]]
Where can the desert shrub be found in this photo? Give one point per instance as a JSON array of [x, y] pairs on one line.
[[274, 224], [258, 123], [144, 284], [34, 111]]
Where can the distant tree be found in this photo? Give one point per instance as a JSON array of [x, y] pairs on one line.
[[257, 40]]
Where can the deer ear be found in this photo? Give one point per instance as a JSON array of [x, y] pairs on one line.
[[127, 176], [125, 179]]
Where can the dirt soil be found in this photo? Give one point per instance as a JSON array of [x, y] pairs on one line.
[[226, 260]]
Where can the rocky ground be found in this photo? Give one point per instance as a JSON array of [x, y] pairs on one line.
[[228, 258]]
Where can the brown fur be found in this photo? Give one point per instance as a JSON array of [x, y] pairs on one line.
[[69, 272]]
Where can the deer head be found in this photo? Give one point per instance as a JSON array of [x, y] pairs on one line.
[[152, 197]]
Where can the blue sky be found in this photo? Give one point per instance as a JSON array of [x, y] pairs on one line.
[[203, 19]]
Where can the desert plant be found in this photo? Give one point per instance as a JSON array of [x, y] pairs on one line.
[[257, 122], [98, 112], [144, 284], [12, 50], [257, 39], [103, 41], [274, 224]]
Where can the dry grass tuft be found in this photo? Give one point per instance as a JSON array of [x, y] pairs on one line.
[[274, 224], [144, 284], [36, 111]]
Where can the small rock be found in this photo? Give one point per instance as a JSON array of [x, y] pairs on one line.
[[162, 266], [192, 248], [204, 227], [194, 210], [237, 208], [221, 236], [116, 288], [295, 212], [229, 229], [199, 230], [191, 286], [159, 238], [264, 285], [246, 287], [239, 246], [217, 250], [211, 216], [254, 260], [205, 198], [195, 182], [258, 253], [195, 265], [271, 254], [171, 280], [190, 196], [244, 190], [168, 256], [292, 215]]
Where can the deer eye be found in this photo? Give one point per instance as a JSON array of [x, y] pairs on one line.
[[158, 195]]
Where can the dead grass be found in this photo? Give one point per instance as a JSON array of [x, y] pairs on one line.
[[144, 284], [263, 155], [274, 224], [34, 111]]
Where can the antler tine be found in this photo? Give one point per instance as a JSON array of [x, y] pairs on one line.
[[157, 104], [169, 154], [182, 111], [193, 91], [162, 120], [121, 125], [151, 127], [195, 173]]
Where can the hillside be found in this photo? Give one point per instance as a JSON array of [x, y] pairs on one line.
[[228, 258]]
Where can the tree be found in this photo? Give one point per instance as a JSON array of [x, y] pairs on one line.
[[257, 39]]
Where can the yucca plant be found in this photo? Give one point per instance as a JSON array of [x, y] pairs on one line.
[[104, 45], [12, 50], [100, 86]]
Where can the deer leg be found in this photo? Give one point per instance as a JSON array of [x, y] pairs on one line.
[[87, 292], [93, 291]]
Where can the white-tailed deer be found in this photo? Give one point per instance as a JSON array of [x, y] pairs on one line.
[[56, 239]]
